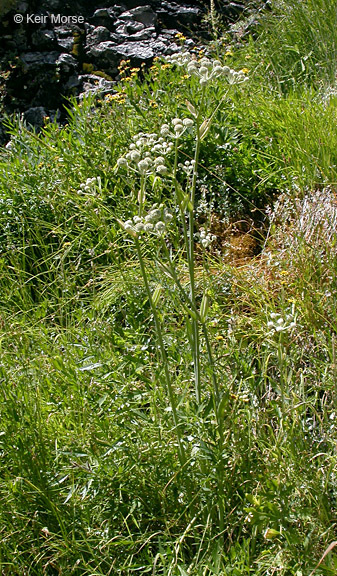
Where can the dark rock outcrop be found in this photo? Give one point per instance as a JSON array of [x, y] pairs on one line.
[[49, 48]]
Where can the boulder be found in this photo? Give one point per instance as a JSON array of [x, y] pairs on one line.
[[142, 14], [35, 116]]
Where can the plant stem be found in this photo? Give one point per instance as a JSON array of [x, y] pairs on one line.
[[195, 327], [181, 451]]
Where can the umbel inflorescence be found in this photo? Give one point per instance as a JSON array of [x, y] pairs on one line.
[[154, 222], [206, 69]]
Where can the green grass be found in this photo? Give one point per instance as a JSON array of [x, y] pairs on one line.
[[92, 481]]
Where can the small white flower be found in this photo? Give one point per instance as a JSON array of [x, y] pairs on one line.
[[161, 169], [165, 130], [160, 227], [167, 216], [143, 166], [188, 122], [148, 227], [135, 155], [158, 161]]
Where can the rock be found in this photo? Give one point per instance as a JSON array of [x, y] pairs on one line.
[[93, 84], [3, 135], [35, 116], [36, 60], [45, 39], [142, 34], [66, 64], [107, 55], [231, 10], [103, 17], [72, 84], [142, 14], [65, 38], [171, 14], [130, 28], [104, 55], [42, 62], [97, 35]]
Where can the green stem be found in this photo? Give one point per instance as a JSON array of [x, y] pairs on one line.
[[195, 327], [193, 307], [141, 196], [181, 451]]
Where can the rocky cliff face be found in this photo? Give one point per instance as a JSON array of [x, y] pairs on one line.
[[55, 48]]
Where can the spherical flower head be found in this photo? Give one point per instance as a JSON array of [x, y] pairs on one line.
[[167, 216], [217, 71], [139, 227], [120, 163], [143, 166], [165, 130], [176, 121], [205, 63], [178, 129], [160, 227], [128, 225], [159, 160], [187, 122], [192, 67], [161, 169], [148, 227], [154, 214], [135, 155]]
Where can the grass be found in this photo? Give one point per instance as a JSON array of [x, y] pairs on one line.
[[97, 476]]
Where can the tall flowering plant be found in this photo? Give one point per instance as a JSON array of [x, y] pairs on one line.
[[149, 156]]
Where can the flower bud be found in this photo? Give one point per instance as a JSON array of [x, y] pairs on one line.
[[161, 169], [188, 122], [135, 155], [148, 227], [160, 226], [142, 166]]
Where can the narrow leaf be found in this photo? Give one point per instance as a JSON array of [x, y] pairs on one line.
[[156, 294], [191, 109]]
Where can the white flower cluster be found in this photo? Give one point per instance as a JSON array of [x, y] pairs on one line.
[[280, 324], [147, 154], [206, 69], [206, 239], [90, 185], [179, 126], [187, 167], [155, 221]]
